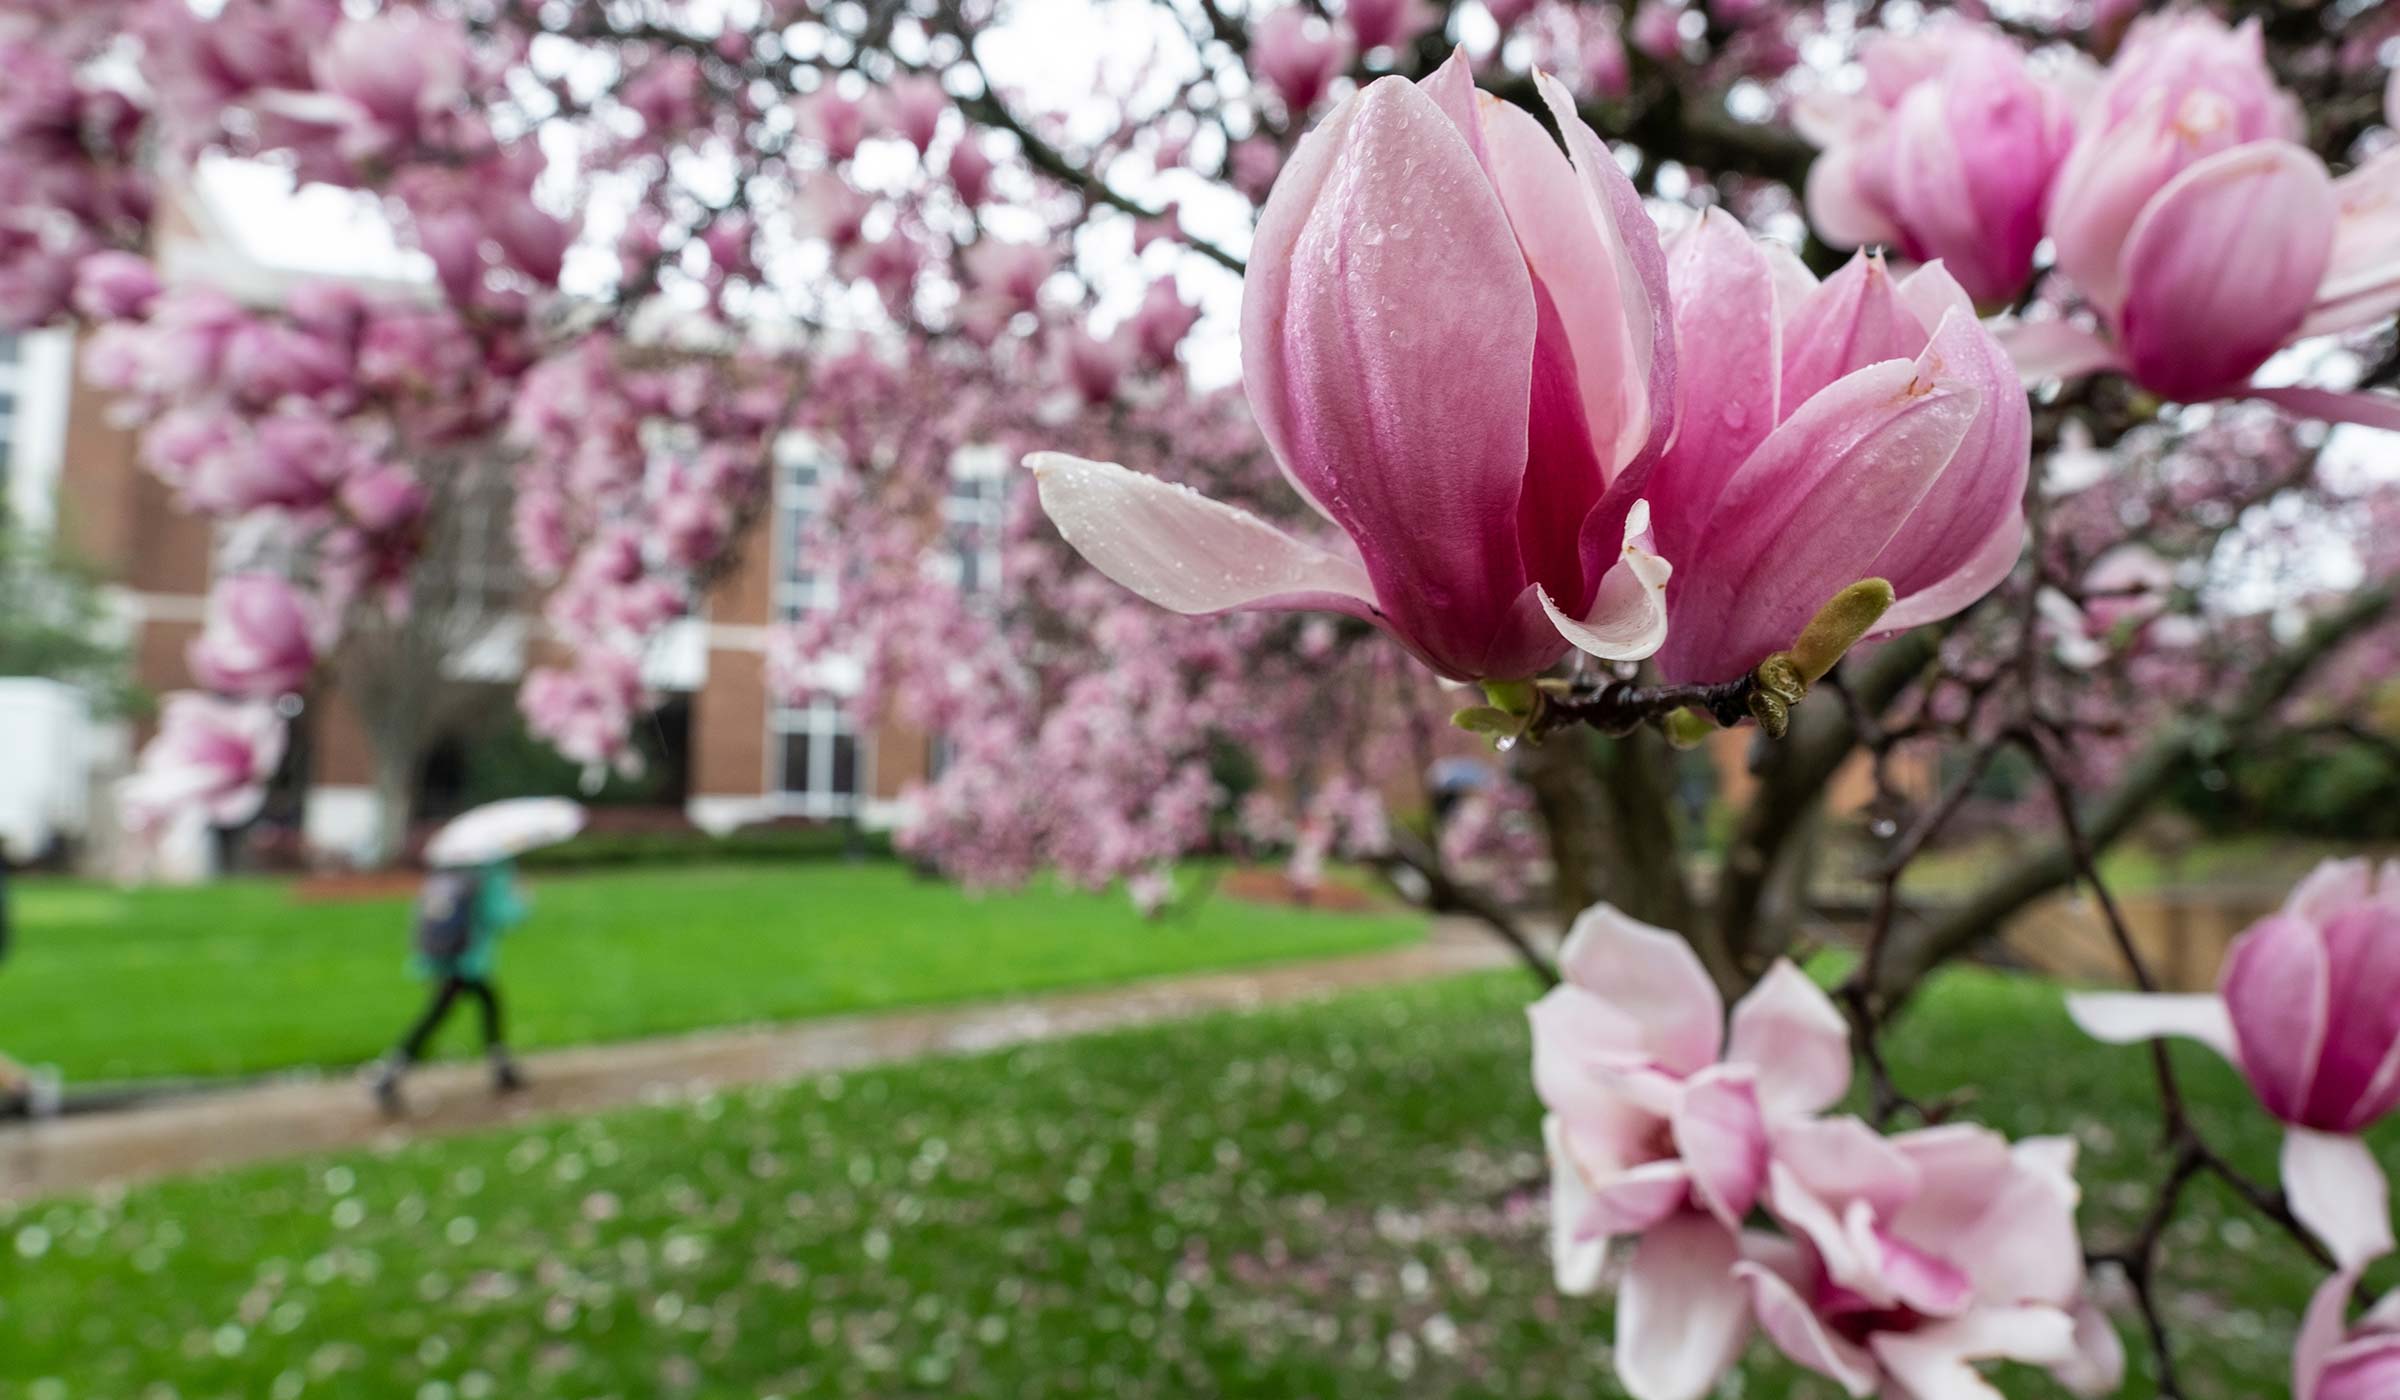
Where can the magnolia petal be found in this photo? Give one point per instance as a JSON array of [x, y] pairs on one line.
[[1730, 341], [2124, 1018], [2360, 406], [2277, 985], [1635, 1201], [1387, 354], [2362, 279], [1575, 1260], [1641, 264], [2337, 1191], [1722, 1139], [1682, 1313], [1185, 552], [1654, 977], [2222, 267], [1933, 1362], [2321, 1331], [1838, 206], [1628, 618], [1967, 530], [1844, 1158], [1854, 319], [1811, 511], [1790, 1031], [1575, 248], [2098, 1365], [1796, 1330], [2054, 350]]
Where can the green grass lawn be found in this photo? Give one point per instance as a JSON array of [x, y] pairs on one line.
[[239, 977], [1308, 1201]]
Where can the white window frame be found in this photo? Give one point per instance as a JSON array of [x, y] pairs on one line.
[[974, 514], [823, 721], [803, 470]]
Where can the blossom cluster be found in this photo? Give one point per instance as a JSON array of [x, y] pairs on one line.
[[1890, 1264]]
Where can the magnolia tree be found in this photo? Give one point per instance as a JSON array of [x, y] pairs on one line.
[[1559, 377]]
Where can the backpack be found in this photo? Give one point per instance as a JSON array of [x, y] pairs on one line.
[[446, 915]]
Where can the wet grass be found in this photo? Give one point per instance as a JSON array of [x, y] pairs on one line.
[[1309, 1201], [242, 977]]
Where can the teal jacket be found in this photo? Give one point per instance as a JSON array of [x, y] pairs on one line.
[[499, 907]]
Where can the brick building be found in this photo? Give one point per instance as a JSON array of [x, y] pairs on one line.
[[732, 755]]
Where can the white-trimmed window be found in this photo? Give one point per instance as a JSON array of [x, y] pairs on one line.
[[972, 514], [802, 472], [818, 766]]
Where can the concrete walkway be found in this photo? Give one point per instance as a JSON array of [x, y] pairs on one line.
[[293, 1118]]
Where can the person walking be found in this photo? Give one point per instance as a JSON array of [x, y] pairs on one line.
[[461, 914]]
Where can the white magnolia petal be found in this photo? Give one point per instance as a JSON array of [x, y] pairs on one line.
[[2123, 1018], [2339, 1193], [1185, 552], [1628, 619], [1682, 1312]]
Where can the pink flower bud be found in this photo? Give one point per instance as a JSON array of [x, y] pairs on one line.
[[1951, 157], [1161, 323], [1375, 24], [383, 498], [260, 640], [1297, 55], [115, 286], [838, 122], [914, 106], [970, 170], [1658, 30]]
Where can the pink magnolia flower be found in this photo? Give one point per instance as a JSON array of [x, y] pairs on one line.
[[1252, 166], [1375, 24], [261, 638], [1093, 365], [1910, 1258], [1607, 71], [383, 497], [1861, 428], [1162, 321], [1467, 370], [210, 754], [1953, 161], [2307, 1006], [401, 69], [115, 286], [970, 170], [1659, 1125], [294, 460], [2187, 165], [1297, 55], [1004, 281], [1508, 13], [1658, 30], [914, 106], [838, 122], [2335, 1360]]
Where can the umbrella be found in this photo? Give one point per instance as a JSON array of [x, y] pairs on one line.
[[498, 830]]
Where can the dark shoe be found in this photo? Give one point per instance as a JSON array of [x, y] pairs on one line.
[[505, 1078], [386, 1088]]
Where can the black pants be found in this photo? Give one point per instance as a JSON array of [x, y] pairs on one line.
[[412, 1047]]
